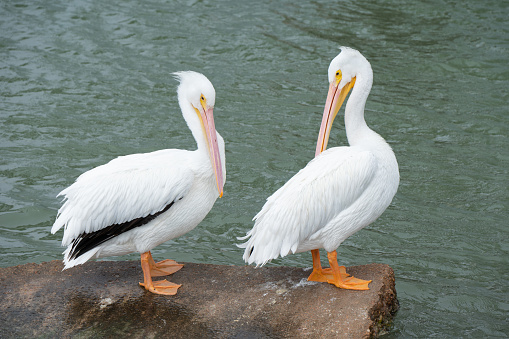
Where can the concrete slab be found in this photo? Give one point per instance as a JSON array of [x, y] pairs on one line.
[[103, 299]]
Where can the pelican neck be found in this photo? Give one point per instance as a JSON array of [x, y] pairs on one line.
[[357, 131], [194, 124]]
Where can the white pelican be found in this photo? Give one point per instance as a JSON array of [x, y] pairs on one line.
[[339, 192], [138, 201]]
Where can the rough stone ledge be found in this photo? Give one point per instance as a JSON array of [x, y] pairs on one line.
[[103, 299]]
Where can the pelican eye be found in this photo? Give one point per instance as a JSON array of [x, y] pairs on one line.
[[339, 75], [203, 102]]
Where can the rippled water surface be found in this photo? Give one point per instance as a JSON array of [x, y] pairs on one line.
[[82, 82]]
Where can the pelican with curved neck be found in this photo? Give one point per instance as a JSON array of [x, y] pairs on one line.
[[339, 192], [359, 79], [136, 202]]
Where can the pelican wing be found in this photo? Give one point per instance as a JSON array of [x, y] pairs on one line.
[[318, 193], [126, 188]]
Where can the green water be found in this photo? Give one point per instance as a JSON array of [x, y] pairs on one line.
[[82, 82]]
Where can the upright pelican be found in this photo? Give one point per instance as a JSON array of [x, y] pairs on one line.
[[339, 192], [138, 201]]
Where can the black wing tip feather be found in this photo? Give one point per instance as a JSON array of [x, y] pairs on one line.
[[87, 241]]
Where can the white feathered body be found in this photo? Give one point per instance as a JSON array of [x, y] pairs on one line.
[[136, 186], [138, 201], [338, 193]]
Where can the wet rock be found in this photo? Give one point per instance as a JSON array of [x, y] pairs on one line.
[[103, 299]]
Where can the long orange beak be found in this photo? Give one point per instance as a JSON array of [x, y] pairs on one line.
[[207, 117], [334, 101]]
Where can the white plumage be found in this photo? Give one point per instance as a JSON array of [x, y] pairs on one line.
[[339, 192], [146, 199]]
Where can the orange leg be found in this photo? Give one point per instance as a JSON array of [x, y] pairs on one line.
[[336, 274], [323, 274], [339, 279], [159, 287], [317, 274]]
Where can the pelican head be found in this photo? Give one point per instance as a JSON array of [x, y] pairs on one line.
[[342, 73], [197, 98], [193, 86]]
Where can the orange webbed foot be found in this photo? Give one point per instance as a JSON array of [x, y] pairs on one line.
[[342, 279], [162, 287], [326, 274], [153, 269], [164, 267], [318, 276], [350, 283], [335, 274]]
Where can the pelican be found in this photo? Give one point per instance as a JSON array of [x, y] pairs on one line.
[[138, 201], [339, 192]]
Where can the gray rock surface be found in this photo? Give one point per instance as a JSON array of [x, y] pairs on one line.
[[103, 299]]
